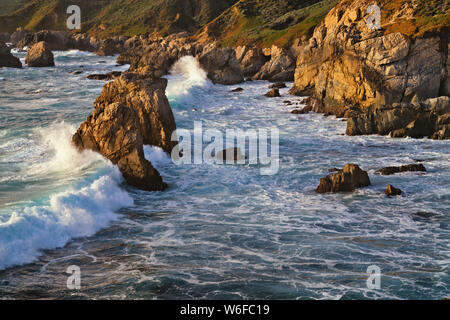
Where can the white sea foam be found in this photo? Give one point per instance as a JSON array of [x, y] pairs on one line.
[[186, 73], [80, 211], [70, 214]]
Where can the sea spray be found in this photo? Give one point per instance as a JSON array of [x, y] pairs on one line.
[[80, 210], [186, 73]]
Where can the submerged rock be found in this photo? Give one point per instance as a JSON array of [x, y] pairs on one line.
[[132, 111], [408, 168], [108, 76], [7, 59], [237, 90], [348, 179], [392, 191], [39, 55]]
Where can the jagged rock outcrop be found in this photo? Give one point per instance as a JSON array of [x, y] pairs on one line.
[[131, 111], [114, 131], [417, 120], [7, 59], [251, 59], [221, 65], [280, 67], [111, 46], [348, 179], [347, 64], [18, 35], [40, 55]]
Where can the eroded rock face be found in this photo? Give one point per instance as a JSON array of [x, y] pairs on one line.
[[280, 67], [131, 111], [39, 55], [221, 65], [251, 59], [7, 59], [417, 120], [115, 132], [348, 179], [346, 64]]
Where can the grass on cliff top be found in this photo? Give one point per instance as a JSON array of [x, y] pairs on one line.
[[269, 22], [428, 16], [104, 18]]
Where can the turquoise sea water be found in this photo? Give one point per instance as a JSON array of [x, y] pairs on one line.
[[218, 231]]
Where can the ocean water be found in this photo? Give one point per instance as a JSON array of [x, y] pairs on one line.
[[219, 231]]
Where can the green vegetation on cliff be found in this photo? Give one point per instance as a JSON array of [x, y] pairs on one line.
[[116, 17], [267, 22]]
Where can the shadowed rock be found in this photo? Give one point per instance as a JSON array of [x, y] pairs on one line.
[[392, 191], [7, 59], [408, 168], [346, 180]]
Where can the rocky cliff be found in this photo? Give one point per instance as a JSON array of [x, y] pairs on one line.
[[347, 64]]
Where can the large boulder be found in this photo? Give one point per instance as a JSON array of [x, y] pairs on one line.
[[40, 55], [7, 59], [348, 179], [131, 111]]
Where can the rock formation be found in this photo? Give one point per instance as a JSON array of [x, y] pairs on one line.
[[132, 111], [407, 168], [7, 59], [417, 120], [346, 180], [39, 55], [348, 64], [221, 65], [273, 93], [280, 67], [392, 191]]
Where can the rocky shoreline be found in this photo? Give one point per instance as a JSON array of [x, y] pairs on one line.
[[383, 82]]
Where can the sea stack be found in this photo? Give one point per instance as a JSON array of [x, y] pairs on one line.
[[132, 111]]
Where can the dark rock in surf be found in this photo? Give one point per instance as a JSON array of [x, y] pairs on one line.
[[392, 191], [408, 168], [274, 93]]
